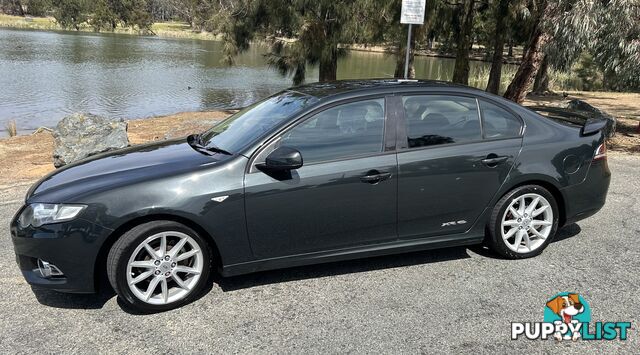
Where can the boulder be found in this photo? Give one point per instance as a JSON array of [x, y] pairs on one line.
[[81, 135]]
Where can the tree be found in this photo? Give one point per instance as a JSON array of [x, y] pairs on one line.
[[616, 42], [502, 13], [533, 54], [12, 7], [70, 13], [301, 32], [108, 14], [464, 40]]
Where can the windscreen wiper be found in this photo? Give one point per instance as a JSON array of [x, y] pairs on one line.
[[195, 140]]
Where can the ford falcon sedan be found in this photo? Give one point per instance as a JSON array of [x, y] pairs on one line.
[[317, 173]]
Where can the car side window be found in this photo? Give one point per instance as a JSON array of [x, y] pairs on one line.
[[342, 131], [498, 122], [439, 119]]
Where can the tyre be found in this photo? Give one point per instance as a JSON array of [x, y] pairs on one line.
[[523, 222], [158, 266]]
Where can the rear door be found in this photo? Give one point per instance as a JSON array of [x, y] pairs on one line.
[[455, 152]]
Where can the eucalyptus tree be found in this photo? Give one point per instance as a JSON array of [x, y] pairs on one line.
[[542, 12], [610, 29], [503, 13], [616, 43]]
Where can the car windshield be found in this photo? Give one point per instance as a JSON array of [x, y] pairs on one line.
[[252, 122]]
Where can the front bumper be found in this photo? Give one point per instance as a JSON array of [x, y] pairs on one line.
[[71, 246]]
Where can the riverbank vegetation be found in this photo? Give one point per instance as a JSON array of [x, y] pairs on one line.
[[596, 41]]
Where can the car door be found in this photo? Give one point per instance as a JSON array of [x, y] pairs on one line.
[[344, 195], [451, 161]]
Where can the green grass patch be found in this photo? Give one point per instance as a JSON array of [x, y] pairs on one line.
[[161, 29]]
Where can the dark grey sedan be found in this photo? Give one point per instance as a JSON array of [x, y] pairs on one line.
[[318, 173]]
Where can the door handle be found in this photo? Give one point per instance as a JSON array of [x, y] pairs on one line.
[[374, 177], [492, 160]]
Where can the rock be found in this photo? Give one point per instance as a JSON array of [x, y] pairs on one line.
[[81, 135], [594, 112]]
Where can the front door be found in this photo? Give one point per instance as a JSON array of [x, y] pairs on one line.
[[344, 195], [452, 163]]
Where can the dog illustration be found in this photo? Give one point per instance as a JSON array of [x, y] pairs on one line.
[[566, 307]]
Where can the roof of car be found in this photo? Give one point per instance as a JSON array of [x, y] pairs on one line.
[[330, 88]]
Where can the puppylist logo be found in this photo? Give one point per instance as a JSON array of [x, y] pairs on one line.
[[567, 316]]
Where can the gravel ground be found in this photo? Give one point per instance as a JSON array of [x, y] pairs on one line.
[[443, 301]]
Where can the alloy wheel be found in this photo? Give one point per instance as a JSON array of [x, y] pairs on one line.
[[164, 268], [527, 223]]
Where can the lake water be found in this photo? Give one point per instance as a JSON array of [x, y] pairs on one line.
[[47, 75]]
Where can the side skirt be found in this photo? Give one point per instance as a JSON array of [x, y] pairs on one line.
[[396, 247]]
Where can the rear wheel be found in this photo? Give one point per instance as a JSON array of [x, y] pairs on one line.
[[159, 266], [523, 222]]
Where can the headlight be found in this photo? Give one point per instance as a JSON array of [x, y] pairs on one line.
[[38, 214]]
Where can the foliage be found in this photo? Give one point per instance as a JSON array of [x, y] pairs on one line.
[[616, 43], [107, 14], [70, 13], [587, 71], [610, 29]]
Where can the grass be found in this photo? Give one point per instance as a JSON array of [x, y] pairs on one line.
[[12, 128], [161, 29], [558, 80], [36, 23]]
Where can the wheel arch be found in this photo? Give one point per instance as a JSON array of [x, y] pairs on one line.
[[549, 186], [100, 267]]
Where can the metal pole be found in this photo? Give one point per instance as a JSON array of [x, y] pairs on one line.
[[406, 57]]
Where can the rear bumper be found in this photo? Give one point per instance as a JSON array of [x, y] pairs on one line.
[[587, 198], [71, 246]]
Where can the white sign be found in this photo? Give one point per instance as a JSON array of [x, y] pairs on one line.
[[413, 12]]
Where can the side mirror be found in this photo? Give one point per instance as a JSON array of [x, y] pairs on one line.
[[283, 158]]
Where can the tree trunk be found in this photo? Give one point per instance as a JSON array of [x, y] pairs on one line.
[[18, 6], [531, 60], [502, 13], [329, 66], [510, 52], [399, 72], [463, 46], [541, 84]]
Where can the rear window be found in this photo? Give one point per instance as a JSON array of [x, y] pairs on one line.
[[498, 122]]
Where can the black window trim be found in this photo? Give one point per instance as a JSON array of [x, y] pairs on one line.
[[402, 144], [509, 111], [385, 148]]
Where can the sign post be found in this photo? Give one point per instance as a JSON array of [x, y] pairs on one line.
[[412, 14]]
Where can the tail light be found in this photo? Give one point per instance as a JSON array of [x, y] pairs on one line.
[[601, 152]]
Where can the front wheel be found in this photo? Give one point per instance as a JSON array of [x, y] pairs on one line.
[[158, 266], [523, 222]]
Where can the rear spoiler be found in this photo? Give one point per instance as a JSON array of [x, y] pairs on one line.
[[593, 126], [590, 122]]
